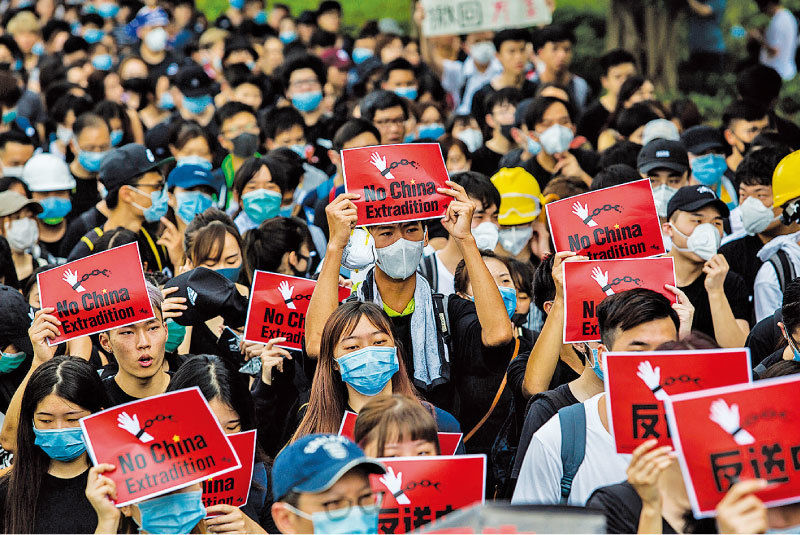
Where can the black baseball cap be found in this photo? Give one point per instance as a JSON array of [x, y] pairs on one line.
[[663, 154], [701, 138], [17, 318], [691, 198], [122, 164], [208, 295], [192, 81]]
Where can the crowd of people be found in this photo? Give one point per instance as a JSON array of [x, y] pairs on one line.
[[216, 147]]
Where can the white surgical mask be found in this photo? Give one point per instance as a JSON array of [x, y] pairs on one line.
[[472, 138], [755, 216], [400, 259], [486, 235], [704, 240], [513, 239], [661, 195], [22, 234], [15, 171], [483, 52], [64, 134], [156, 39], [556, 139]]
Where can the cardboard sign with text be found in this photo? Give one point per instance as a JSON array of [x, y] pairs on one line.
[[637, 383], [588, 282], [419, 490], [449, 17], [448, 442], [396, 182], [159, 444], [278, 306], [96, 293], [616, 222], [233, 488], [733, 433]]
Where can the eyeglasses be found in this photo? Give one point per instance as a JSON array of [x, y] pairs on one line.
[[310, 82], [251, 128], [157, 186], [397, 121], [339, 509]]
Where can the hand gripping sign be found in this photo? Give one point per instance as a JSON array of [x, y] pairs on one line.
[[616, 222], [96, 293], [448, 442], [732, 433], [233, 488], [159, 444], [278, 306], [396, 182], [637, 383], [419, 490], [587, 283]]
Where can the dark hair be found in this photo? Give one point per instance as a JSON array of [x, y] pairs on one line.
[[304, 61], [252, 165], [204, 238], [8, 273], [381, 100], [513, 34], [87, 120], [429, 83], [116, 237], [522, 275], [478, 186], [352, 129], [622, 152], [74, 44], [507, 95], [280, 120], [630, 86], [54, 26], [615, 57], [630, 119], [292, 164], [539, 106], [182, 132], [461, 276], [614, 175], [695, 340], [554, 33], [544, 287], [394, 417], [686, 112], [774, 140], [447, 142], [625, 310], [10, 92], [265, 245], [72, 379], [744, 111], [757, 167], [790, 307], [399, 64], [322, 38], [14, 136], [565, 186], [781, 368], [67, 102], [759, 83], [91, 18], [232, 108], [114, 110], [237, 43]]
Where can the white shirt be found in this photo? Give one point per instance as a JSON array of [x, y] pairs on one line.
[[458, 74], [781, 34], [540, 475], [767, 294], [445, 280]]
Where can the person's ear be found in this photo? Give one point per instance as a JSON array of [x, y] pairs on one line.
[[518, 136], [604, 82], [173, 150], [425, 237], [335, 157], [601, 349], [730, 138], [548, 305], [666, 228], [105, 343], [282, 517], [489, 120], [126, 510], [782, 327], [270, 144]]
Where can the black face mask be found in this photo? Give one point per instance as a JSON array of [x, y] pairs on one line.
[[519, 319], [299, 273], [506, 131]]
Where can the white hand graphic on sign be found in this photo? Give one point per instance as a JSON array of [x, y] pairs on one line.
[[286, 292], [380, 163], [728, 419], [601, 279], [582, 211], [131, 425], [71, 278], [394, 482], [652, 378]]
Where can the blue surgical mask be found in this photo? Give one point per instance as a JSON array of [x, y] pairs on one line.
[[54, 209], [108, 10], [307, 101], [357, 520], [65, 444], [409, 138], [165, 101], [116, 137], [11, 361], [509, 296], [103, 62], [286, 211], [232, 274], [158, 206], [431, 131], [360, 55], [299, 149], [260, 18], [194, 160], [178, 512], [369, 369], [9, 116], [261, 204], [237, 4], [75, 28], [709, 168], [91, 160], [37, 49], [197, 105], [598, 370], [533, 147], [287, 37], [409, 92], [93, 35], [191, 203]]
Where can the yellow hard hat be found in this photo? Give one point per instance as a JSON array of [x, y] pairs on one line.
[[521, 198], [786, 180]]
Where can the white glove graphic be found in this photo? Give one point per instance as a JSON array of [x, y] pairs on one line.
[[380, 162], [652, 378], [286, 292], [71, 278], [395, 485], [131, 425], [728, 419], [582, 211], [602, 280]]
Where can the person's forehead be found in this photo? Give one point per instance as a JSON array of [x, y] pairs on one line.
[[305, 72], [364, 139], [394, 111], [243, 117], [705, 211], [511, 45]]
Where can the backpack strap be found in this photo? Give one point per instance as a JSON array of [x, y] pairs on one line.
[[573, 444], [784, 268], [496, 399], [429, 270]]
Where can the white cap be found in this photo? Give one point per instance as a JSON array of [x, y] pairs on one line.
[[47, 172], [660, 129]]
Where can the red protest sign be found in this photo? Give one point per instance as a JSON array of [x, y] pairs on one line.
[[637, 383], [616, 222], [396, 182], [448, 442], [418, 490], [159, 444], [588, 282], [733, 433], [234, 487], [96, 293], [278, 306]]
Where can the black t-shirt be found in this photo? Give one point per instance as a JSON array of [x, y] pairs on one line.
[[166, 67], [764, 337], [592, 121], [85, 196], [79, 226], [589, 161], [62, 506], [735, 291], [116, 395], [55, 248], [622, 507], [486, 161], [742, 257]]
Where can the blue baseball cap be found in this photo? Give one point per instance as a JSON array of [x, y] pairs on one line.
[[188, 176], [315, 462]]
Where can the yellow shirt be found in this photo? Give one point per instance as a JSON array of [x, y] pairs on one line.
[[393, 314]]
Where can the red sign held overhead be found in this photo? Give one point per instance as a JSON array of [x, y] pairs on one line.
[[637, 383], [278, 306], [616, 222], [448, 442], [159, 444], [396, 182], [419, 490], [588, 282], [734, 433], [96, 293], [233, 488]]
